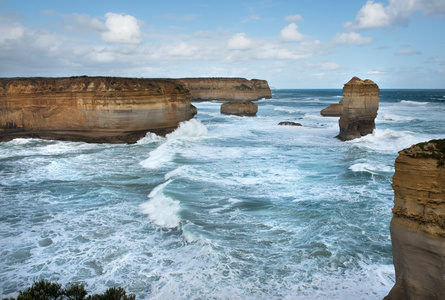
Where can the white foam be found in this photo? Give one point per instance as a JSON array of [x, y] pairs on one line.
[[388, 140], [149, 138], [287, 110], [162, 210], [189, 129], [413, 102], [161, 156], [394, 117], [371, 168]]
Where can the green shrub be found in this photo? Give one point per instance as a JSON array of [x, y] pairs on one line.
[[47, 290]]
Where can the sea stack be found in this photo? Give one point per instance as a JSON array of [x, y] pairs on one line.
[[240, 108], [359, 108], [418, 223], [91, 109], [228, 89]]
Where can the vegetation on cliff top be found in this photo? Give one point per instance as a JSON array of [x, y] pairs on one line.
[[432, 149], [46, 290]]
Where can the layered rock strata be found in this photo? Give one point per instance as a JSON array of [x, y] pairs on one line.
[[205, 89], [360, 104], [333, 110], [91, 109], [418, 223], [240, 108]]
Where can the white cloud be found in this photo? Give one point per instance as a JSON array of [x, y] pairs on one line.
[[329, 66], [351, 38], [122, 29], [397, 12], [10, 32], [239, 41], [293, 19], [407, 52], [291, 34]]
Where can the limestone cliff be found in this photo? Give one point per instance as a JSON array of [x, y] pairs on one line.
[[203, 89], [333, 110], [91, 109], [418, 223], [360, 104], [240, 108]]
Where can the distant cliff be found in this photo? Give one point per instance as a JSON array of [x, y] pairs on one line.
[[203, 89], [91, 109], [418, 223]]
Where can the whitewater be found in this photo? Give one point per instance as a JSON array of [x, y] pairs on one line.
[[225, 207]]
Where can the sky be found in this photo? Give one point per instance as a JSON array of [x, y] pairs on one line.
[[291, 44]]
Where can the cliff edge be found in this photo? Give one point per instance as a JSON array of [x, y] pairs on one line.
[[418, 223], [91, 109], [205, 89]]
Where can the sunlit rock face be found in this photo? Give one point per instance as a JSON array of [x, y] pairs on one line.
[[418, 223], [359, 108], [204, 89], [333, 110], [91, 109], [240, 108]]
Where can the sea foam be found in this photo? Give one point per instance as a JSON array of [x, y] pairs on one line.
[[162, 210]]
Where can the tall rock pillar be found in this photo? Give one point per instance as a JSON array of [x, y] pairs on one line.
[[360, 104], [418, 223]]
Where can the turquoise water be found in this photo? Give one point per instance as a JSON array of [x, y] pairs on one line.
[[225, 207]]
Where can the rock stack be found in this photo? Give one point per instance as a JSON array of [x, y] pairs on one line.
[[360, 104], [240, 108], [418, 223]]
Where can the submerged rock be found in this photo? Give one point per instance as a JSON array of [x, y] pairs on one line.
[[418, 223], [239, 108], [91, 109], [360, 104]]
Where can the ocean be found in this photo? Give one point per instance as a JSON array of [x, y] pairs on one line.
[[225, 207]]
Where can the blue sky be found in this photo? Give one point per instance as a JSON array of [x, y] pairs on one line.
[[292, 44]]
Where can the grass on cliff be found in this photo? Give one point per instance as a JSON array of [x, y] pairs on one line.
[[46, 290], [432, 149]]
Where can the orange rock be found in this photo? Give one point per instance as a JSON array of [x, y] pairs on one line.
[[239, 108], [91, 109], [203, 89], [418, 223]]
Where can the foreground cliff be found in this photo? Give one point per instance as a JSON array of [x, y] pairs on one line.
[[418, 223], [91, 109], [204, 89]]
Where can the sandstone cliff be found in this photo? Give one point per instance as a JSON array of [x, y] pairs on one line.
[[418, 223], [240, 108], [91, 109], [203, 89], [360, 104]]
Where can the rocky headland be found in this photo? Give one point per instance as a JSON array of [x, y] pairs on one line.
[[91, 109], [357, 110], [418, 223], [232, 89], [239, 108]]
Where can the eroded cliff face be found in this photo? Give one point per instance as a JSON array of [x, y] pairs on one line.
[[91, 109], [203, 89], [418, 223], [360, 104]]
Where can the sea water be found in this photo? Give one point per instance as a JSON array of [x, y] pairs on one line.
[[225, 207]]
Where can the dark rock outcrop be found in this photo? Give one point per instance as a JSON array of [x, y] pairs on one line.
[[240, 108], [418, 223], [91, 109], [287, 123], [205, 89], [360, 104]]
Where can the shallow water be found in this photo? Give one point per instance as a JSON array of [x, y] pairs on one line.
[[225, 207]]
